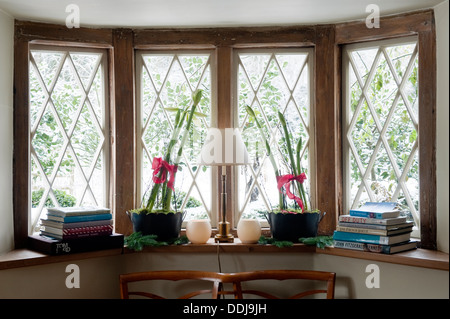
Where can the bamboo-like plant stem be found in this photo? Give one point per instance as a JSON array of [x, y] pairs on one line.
[[196, 97], [268, 150], [299, 167], [179, 120], [295, 167]]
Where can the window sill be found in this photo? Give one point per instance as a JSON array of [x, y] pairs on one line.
[[417, 258], [25, 257]]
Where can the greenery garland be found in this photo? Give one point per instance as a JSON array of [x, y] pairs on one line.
[[318, 241], [137, 241], [271, 241]]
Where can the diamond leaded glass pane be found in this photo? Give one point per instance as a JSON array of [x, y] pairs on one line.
[[381, 129], [167, 81], [67, 129], [270, 81]]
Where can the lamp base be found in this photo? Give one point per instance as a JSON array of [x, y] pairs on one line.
[[224, 235]]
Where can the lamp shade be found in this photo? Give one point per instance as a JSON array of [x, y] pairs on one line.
[[223, 147]]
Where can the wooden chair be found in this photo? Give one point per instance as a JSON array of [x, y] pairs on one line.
[[237, 279], [171, 275]]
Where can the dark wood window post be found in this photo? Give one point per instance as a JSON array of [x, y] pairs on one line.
[[123, 126], [327, 113], [21, 170]]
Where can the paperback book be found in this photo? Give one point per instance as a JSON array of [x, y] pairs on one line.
[[77, 232], [371, 239], [77, 211], [373, 221], [376, 229], [79, 218], [376, 248], [376, 210], [61, 225]]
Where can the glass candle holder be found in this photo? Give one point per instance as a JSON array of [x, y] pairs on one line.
[[249, 231], [198, 231]]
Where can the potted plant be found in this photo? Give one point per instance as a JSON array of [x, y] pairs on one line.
[[295, 220], [156, 215]]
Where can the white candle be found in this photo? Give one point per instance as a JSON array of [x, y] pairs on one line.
[[198, 231], [249, 231]]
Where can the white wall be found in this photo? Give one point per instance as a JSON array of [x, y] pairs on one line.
[[6, 131], [98, 279], [442, 118]]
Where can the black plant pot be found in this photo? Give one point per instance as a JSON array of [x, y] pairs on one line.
[[165, 226], [291, 227]]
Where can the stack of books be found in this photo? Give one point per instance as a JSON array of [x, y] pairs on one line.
[[77, 222], [374, 227], [75, 229]]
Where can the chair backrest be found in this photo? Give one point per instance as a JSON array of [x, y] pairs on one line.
[[171, 275], [237, 279]]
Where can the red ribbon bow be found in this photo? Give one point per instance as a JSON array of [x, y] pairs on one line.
[[286, 179], [157, 165]]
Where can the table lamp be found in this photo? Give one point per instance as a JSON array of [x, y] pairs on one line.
[[224, 147]]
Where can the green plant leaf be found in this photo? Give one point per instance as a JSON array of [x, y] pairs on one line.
[[137, 241], [199, 114], [181, 240], [318, 241], [172, 109], [271, 241]]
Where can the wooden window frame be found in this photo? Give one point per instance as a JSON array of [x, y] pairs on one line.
[[281, 50], [347, 115], [155, 49], [309, 64], [326, 40], [104, 122], [422, 25], [27, 33]]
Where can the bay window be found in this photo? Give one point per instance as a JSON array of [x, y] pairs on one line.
[[92, 107]]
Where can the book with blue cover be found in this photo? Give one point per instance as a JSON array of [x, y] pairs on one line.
[[79, 218], [371, 239], [378, 210]]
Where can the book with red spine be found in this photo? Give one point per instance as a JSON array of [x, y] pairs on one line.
[[77, 232]]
